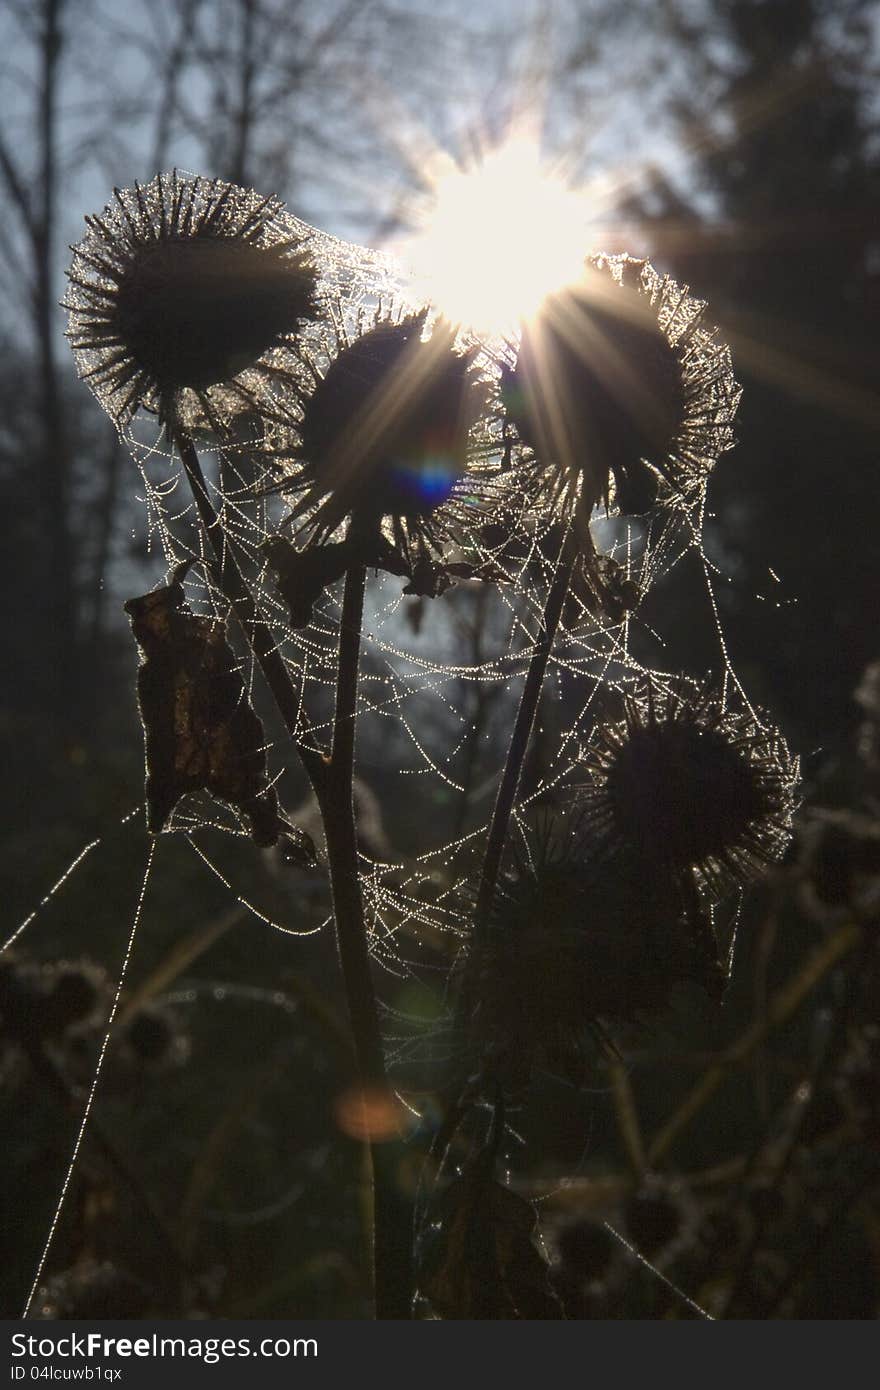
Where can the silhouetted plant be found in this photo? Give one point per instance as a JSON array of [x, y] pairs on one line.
[[406, 447]]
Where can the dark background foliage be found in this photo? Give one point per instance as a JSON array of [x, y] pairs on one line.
[[764, 199]]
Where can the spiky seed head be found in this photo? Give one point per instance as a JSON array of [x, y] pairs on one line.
[[585, 1248], [657, 1215], [22, 996], [91, 1290], [621, 391], [685, 784], [153, 1038], [576, 943], [183, 287], [194, 313], [385, 431], [75, 992]]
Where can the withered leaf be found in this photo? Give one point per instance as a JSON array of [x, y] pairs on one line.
[[430, 578], [297, 848], [602, 586], [301, 576], [483, 1264], [199, 728]]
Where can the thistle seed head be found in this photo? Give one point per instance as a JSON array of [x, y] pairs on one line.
[[187, 294], [77, 995], [153, 1039], [683, 784], [385, 431], [624, 396], [92, 1290], [576, 942], [660, 1217]]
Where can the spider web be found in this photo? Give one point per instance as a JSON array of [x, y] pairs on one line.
[[417, 697]]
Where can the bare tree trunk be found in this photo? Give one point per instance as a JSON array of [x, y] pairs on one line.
[[55, 463], [238, 166], [172, 68]]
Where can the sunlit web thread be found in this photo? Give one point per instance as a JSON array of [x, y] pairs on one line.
[[658, 1273], [730, 673], [157, 491], [220, 990], [68, 872], [59, 1207], [413, 910], [428, 760], [491, 669], [582, 722], [737, 918], [409, 920], [60, 882], [403, 688], [244, 902]]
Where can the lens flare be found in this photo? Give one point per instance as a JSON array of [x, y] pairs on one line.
[[497, 238]]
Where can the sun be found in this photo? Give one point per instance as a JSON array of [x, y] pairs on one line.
[[496, 237]]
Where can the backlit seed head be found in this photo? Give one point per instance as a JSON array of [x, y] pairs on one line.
[[586, 1249], [577, 942], [685, 784], [659, 1217], [621, 392], [77, 995], [91, 1290], [384, 433], [153, 1039], [186, 296]]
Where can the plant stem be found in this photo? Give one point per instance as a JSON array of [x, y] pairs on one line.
[[332, 782], [339, 826], [522, 729], [627, 1115], [507, 789], [234, 587], [391, 1226], [783, 1004]]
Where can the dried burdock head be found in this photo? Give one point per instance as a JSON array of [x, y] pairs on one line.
[[186, 297], [586, 1249], [660, 1217], [687, 786], [93, 1289], [154, 1040], [385, 430], [77, 995], [381, 474], [840, 858], [624, 395], [47, 1003], [577, 941], [22, 998]]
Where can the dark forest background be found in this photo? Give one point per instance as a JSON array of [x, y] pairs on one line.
[[764, 196]]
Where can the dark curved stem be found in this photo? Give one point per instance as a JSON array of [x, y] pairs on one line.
[[519, 741], [337, 806], [507, 789], [234, 587], [391, 1227], [332, 781]]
